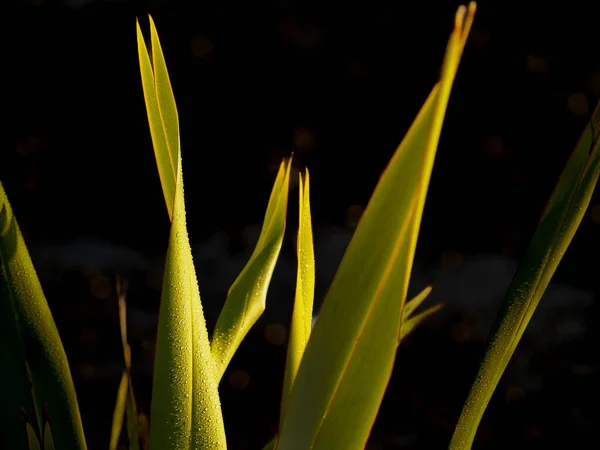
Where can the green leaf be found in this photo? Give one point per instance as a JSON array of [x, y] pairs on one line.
[[409, 324], [162, 112], [34, 443], [409, 320], [119, 413], [247, 296], [556, 229], [48, 439], [16, 396], [305, 292], [350, 355], [413, 304], [186, 412], [38, 338]]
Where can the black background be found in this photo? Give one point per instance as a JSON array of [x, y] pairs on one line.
[[251, 79]]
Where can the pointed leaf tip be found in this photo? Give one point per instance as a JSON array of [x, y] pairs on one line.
[[247, 295], [351, 351], [305, 287]]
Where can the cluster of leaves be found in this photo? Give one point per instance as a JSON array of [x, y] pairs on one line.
[[337, 371]]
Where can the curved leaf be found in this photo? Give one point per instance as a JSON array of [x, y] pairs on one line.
[[350, 355], [38, 337], [16, 396], [558, 225], [186, 412], [247, 295]]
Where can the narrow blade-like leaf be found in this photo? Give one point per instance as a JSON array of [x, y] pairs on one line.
[[350, 354], [186, 412], [556, 229], [166, 99], [408, 325], [162, 129], [247, 296], [38, 337], [414, 303], [48, 439], [119, 413], [34, 443], [16, 396], [305, 292], [409, 320]]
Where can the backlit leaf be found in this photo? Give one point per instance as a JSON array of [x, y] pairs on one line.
[[305, 291], [186, 411], [350, 354], [247, 296]]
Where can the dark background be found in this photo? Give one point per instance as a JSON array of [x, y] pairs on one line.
[[338, 83]]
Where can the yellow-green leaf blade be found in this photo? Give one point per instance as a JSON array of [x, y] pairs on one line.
[[39, 338], [412, 322], [349, 357], [32, 439], [305, 292], [414, 303], [556, 229], [186, 411], [118, 413], [165, 97], [409, 320], [247, 296], [164, 159], [48, 439]]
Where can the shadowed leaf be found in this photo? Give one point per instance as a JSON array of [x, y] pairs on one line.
[[560, 220], [37, 337]]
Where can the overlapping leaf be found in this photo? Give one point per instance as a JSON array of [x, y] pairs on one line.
[[556, 229], [186, 412], [350, 354], [162, 112], [410, 320]]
